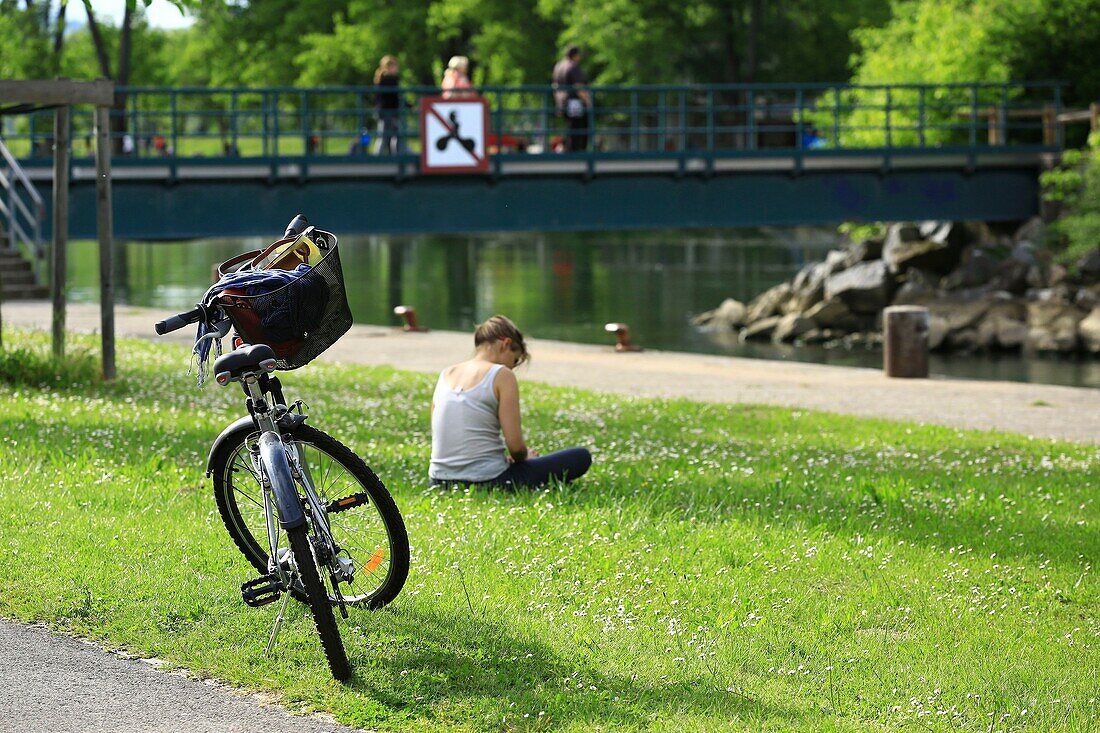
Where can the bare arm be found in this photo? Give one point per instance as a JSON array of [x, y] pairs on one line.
[[507, 390]]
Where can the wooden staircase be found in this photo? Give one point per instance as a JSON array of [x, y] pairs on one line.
[[17, 278]]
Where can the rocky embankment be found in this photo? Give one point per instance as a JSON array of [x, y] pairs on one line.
[[984, 291]]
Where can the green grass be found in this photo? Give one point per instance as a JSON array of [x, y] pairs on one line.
[[720, 568]]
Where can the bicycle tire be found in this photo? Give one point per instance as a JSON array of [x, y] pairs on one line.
[[231, 458], [317, 599]]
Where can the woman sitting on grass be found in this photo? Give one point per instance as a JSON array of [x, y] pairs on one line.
[[474, 402]]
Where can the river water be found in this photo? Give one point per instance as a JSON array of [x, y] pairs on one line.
[[563, 286]]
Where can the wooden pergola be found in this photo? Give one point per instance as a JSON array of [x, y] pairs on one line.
[[62, 94]]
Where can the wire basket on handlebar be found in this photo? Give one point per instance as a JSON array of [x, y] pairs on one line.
[[298, 320]]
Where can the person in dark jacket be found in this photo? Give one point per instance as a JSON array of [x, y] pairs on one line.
[[387, 104], [572, 99]]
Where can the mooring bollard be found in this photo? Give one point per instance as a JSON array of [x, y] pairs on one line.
[[622, 334], [409, 314], [905, 341]]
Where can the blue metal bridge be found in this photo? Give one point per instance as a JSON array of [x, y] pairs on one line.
[[236, 161]]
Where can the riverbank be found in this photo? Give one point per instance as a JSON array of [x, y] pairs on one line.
[[1043, 411]]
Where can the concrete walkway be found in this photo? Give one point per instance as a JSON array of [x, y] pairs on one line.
[[1040, 410]]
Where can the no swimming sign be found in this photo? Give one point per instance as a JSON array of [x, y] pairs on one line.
[[453, 134]]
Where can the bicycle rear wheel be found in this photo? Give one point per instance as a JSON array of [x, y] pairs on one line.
[[370, 532]]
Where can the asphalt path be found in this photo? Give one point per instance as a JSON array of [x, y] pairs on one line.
[[59, 684]]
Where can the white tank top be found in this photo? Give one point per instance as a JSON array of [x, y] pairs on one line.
[[466, 441]]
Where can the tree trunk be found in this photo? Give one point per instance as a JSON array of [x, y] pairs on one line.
[[752, 50], [98, 42], [118, 124], [730, 44], [59, 39]]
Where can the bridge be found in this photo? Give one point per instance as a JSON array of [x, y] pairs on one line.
[[236, 161]]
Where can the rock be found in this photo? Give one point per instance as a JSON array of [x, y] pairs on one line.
[[727, 316], [977, 268], [1052, 326], [1087, 298], [816, 336], [904, 249], [865, 288], [1089, 331], [1033, 230], [1057, 275], [768, 303], [833, 314], [1003, 326], [918, 287], [791, 326], [937, 331], [834, 261], [761, 329], [944, 232], [1011, 276], [1089, 265], [963, 340], [865, 251], [1024, 252]]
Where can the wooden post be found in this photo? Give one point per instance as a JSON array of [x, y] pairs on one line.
[[103, 227], [905, 352], [1050, 119], [1094, 117], [60, 225]]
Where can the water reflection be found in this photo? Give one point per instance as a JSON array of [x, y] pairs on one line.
[[556, 286]]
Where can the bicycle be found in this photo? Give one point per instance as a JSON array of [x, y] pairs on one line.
[[307, 512]]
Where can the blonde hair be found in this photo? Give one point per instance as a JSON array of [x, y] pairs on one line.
[[460, 63], [384, 67], [501, 327]]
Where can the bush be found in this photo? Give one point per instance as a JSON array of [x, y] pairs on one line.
[[1076, 184], [36, 367]]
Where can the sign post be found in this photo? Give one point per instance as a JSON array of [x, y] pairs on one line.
[[453, 133]]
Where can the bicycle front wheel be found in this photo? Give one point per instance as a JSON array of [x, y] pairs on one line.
[[370, 532], [305, 562]]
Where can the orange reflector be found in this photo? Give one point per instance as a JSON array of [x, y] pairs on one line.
[[375, 560], [348, 500]]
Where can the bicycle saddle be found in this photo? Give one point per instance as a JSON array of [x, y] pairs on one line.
[[230, 367]]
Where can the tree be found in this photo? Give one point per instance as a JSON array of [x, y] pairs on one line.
[[937, 42]]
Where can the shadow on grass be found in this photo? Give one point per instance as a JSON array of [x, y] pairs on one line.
[[484, 671]]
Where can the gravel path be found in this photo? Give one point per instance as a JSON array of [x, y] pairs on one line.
[[1041, 410], [58, 684]]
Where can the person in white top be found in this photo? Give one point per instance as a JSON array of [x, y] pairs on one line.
[[477, 400]]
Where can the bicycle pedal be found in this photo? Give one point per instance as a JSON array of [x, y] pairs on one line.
[[348, 502], [261, 591]]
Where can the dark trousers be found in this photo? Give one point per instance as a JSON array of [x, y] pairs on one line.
[[576, 140], [564, 465]]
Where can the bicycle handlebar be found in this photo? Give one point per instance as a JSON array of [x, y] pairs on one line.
[[297, 225], [180, 320]]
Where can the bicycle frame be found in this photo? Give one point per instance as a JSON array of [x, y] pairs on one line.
[[282, 471]]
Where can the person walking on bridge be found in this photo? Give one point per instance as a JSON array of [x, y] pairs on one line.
[[572, 99], [387, 104], [477, 400]]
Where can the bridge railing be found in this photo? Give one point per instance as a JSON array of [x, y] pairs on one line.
[[648, 121]]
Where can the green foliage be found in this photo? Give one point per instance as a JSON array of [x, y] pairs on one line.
[[1076, 185], [30, 364], [945, 41], [859, 232]]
